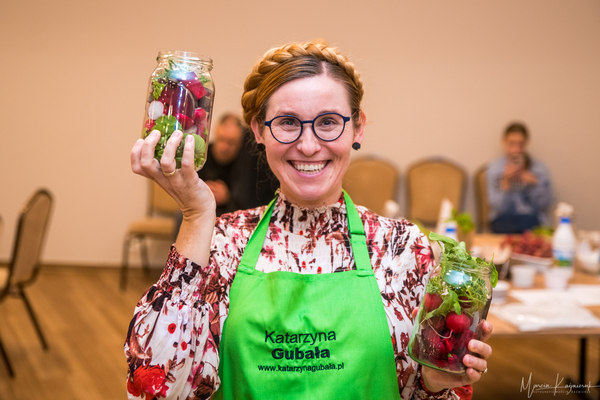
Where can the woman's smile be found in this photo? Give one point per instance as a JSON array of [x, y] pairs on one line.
[[309, 168]]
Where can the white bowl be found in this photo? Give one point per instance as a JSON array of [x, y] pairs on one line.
[[589, 262]]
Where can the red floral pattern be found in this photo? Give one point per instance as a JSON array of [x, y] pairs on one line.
[[148, 382], [182, 315]]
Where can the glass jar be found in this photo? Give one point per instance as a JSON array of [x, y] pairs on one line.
[[180, 97], [456, 301]]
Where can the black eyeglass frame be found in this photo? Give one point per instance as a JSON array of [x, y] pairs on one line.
[[312, 122]]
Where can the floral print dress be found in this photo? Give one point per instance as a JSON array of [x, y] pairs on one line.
[[172, 345]]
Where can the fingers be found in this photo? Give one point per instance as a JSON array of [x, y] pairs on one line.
[[148, 164], [481, 348], [135, 156], [476, 363], [142, 155], [182, 184], [167, 161], [187, 160], [486, 331], [473, 375], [476, 366]]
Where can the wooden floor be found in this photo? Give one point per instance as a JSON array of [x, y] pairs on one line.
[[85, 318]]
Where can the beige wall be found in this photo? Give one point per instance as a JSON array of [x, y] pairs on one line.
[[442, 78]]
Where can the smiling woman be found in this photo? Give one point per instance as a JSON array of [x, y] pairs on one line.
[[310, 169], [302, 266]]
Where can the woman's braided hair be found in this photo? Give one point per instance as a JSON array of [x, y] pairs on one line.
[[295, 61]]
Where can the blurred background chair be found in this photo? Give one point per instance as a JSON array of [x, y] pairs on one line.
[[428, 182], [481, 200], [2, 351], [24, 264], [159, 223], [371, 182]]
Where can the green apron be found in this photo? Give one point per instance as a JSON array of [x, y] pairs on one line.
[[315, 336]]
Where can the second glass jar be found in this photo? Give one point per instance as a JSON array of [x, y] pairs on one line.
[[456, 301]]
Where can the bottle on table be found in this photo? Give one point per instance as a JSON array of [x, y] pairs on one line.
[[450, 230], [564, 243]]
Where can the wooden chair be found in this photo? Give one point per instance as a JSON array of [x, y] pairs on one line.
[[2, 351], [370, 182], [159, 223], [24, 265], [428, 182], [481, 199]]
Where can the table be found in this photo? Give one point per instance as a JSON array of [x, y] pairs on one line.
[[503, 328]]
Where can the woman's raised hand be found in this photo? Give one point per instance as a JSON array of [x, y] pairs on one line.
[[193, 196]]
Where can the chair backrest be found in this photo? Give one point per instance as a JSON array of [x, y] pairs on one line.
[[370, 181], [161, 202], [428, 182], [481, 199], [32, 228]]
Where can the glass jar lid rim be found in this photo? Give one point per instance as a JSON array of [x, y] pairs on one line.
[[184, 54], [483, 270]]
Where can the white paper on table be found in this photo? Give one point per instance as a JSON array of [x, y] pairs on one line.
[[536, 317], [582, 295], [587, 295]]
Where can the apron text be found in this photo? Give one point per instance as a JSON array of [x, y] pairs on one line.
[[310, 338]]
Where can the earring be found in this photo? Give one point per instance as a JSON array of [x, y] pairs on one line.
[[356, 146], [260, 147]]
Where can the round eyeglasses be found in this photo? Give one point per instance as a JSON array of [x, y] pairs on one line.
[[327, 127]]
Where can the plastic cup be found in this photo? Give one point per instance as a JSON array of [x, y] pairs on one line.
[[500, 292], [557, 278], [522, 275]]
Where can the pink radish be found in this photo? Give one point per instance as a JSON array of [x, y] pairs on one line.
[[457, 322]]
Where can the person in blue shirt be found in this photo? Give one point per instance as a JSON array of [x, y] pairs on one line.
[[519, 188]]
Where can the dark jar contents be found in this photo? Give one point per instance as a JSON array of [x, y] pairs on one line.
[[455, 303], [180, 97]]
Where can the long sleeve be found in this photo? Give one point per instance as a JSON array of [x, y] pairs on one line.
[[172, 342], [498, 199], [540, 195]]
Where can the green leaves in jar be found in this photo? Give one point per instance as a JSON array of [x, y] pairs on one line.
[[460, 290], [166, 125]]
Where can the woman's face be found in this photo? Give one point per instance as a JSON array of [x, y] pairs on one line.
[[310, 171], [515, 145]]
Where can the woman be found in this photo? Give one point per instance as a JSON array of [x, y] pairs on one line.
[[287, 301], [519, 188]]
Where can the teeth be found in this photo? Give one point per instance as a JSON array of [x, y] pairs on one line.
[[309, 168]]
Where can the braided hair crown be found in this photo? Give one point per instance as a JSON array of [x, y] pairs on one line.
[[294, 61]]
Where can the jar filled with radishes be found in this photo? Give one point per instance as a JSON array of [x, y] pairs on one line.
[[455, 303], [180, 97]]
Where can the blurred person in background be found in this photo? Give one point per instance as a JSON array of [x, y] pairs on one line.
[[236, 170], [233, 175], [519, 188]]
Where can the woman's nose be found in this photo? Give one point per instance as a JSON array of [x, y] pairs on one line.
[[308, 143]]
